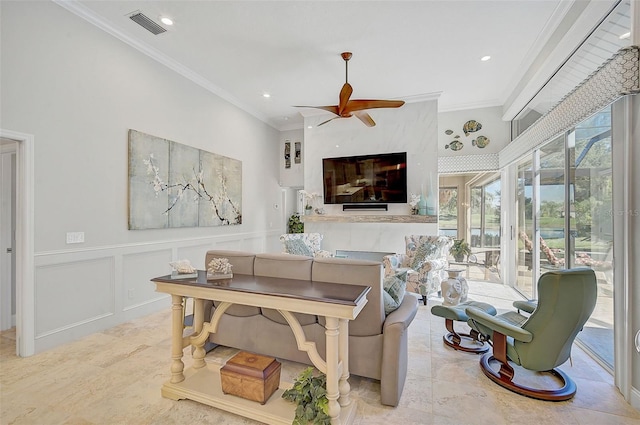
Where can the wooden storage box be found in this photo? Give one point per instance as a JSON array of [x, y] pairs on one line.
[[251, 376]]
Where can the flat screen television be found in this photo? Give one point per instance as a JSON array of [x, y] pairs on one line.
[[365, 179]]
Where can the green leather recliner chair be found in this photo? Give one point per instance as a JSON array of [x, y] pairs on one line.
[[541, 341]]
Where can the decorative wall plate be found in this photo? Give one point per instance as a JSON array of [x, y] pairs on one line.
[[471, 126], [456, 145], [480, 142]]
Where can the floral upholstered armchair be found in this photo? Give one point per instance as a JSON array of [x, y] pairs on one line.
[[308, 244], [426, 258]]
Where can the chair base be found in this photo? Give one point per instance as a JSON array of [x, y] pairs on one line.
[[504, 378], [454, 340]]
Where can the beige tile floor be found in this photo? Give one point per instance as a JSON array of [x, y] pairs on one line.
[[114, 377]]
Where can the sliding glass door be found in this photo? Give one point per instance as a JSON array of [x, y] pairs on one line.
[[592, 223], [524, 228], [564, 219]]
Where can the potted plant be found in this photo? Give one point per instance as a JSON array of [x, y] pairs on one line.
[[459, 250], [310, 394], [308, 199], [295, 225]]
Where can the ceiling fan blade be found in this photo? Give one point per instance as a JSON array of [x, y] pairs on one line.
[[345, 94], [360, 104], [330, 119], [332, 109], [365, 118]]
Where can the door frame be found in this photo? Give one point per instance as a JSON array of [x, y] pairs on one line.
[[7, 265], [25, 285]]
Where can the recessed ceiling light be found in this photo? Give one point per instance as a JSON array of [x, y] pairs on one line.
[[625, 35], [309, 126], [267, 95], [166, 20], [485, 58]]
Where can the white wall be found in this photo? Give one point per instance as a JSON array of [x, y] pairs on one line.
[[412, 129], [293, 176], [78, 91], [493, 127]]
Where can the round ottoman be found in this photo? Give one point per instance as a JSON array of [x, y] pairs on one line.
[[459, 341]]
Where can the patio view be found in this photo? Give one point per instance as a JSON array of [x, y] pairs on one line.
[[564, 220]]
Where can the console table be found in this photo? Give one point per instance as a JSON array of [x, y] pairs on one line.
[[338, 303]]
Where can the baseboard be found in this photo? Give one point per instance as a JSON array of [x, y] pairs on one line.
[[635, 398]]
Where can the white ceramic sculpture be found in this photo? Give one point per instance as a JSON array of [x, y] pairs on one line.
[[455, 288]]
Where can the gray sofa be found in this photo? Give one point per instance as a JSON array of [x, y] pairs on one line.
[[377, 344]]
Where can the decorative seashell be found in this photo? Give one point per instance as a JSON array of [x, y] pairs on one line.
[[219, 266], [182, 266], [471, 126], [448, 132]]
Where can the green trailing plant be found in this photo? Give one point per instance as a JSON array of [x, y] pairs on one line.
[[309, 392], [295, 224], [460, 249]]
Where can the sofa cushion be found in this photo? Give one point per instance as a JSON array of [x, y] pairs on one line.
[[356, 272], [297, 247], [286, 266], [242, 262], [394, 289]]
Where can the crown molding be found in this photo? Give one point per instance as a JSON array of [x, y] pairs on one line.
[[88, 15]]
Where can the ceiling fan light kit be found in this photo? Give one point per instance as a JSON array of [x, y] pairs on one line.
[[347, 107]]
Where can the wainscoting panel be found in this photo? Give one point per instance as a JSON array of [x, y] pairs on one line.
[[73, 293], [137, 271], [195, 255], [83, 291]]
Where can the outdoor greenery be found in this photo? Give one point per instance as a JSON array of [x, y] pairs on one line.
[[295, 225], [309, 392], [460, 249]]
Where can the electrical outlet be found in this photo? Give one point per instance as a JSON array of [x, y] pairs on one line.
[[75, 237]]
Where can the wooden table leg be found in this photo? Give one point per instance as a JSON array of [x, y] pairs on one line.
[[198, 321], [177, 319], [332, 334], [343, 354]]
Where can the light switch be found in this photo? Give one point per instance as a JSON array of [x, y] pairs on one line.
[[75, 237]]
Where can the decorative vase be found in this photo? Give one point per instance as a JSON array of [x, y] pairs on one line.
[[430, 204], [308, 211], [422, 206], [455, 288]]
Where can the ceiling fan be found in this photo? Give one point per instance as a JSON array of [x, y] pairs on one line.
[[347, 107]]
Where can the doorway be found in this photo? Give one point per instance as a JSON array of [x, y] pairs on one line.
[[23, 247], [8, 149]]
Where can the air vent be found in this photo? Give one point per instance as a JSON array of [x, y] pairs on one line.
[[145, 22]]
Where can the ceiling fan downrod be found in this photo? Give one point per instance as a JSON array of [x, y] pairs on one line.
[[346, 56]]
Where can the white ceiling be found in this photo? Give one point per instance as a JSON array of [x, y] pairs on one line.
[[291, 49]]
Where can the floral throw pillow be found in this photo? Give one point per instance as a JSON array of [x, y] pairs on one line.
[[395, 287], [297, 247]]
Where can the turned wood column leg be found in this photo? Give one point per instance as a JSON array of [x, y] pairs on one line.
[[198, 321], [177, 320], [332, 334], [343, 353]]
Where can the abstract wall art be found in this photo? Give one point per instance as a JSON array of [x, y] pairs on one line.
[[174, 185]]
